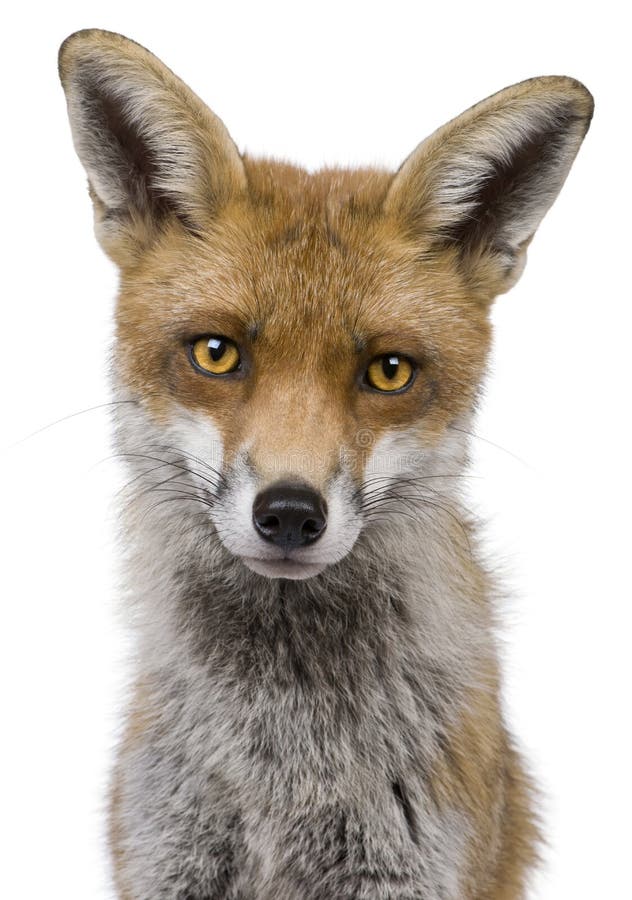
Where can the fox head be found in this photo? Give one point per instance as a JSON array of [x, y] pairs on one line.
[[297, 354]]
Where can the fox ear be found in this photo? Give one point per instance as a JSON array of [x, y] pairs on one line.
[[151, 148], [484, 181]]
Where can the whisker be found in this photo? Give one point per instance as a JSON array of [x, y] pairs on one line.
[[144, 474], [173, 500], [67, 418], [485, 440], [416, 503], [188, 455], [373, 481], [160, 460]]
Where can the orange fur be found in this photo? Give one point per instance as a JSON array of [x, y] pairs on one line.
[[313, 276], [298, 246]]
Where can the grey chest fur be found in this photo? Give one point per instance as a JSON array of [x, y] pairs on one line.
[[292, 735]]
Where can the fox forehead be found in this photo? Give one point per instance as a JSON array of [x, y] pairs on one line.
[[309, 272]]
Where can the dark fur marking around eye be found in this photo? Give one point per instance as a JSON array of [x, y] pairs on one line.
[[359, 342], [254, 330]]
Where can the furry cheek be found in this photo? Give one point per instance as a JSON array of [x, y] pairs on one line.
[[402, 469], [198, 439]]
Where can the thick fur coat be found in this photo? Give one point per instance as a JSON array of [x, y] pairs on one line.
[[316, 720]]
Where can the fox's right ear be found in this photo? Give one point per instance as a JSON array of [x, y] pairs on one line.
[[152, 150]]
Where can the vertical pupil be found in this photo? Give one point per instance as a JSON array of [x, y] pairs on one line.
[[390, 365], [216, 348]]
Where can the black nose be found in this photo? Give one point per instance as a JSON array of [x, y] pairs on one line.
[[290, 514]]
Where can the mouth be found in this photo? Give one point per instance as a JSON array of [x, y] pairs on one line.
[[283, 568]]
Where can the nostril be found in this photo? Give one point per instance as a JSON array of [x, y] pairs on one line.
[[313, 527], [289, 514], [268, 524]]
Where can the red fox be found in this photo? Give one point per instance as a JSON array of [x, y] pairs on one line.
[[298, 356]]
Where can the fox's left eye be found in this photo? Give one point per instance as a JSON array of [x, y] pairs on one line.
[[214, 355], [390, 372]]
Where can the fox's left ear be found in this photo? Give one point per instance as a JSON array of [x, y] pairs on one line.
[[484, 181]]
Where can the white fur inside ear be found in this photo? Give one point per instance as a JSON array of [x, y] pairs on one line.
[[149, 145], [151, 130], [493, 148], [485, 180]]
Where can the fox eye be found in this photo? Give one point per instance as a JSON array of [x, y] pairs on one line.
[[214, 355], [390, 372]]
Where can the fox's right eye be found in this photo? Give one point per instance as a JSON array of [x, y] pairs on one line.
[[214, 355]]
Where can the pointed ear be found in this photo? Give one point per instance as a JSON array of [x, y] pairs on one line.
[[484, 181], [152, 150]]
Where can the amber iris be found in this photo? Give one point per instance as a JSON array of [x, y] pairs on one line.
[[215, 355], [389, 372]]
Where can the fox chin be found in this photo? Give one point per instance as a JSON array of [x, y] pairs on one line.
[[315, 711]]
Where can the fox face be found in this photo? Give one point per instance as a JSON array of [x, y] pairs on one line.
[[339, 361], [298, 355]]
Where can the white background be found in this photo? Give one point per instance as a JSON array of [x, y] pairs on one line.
[[316, 83]]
